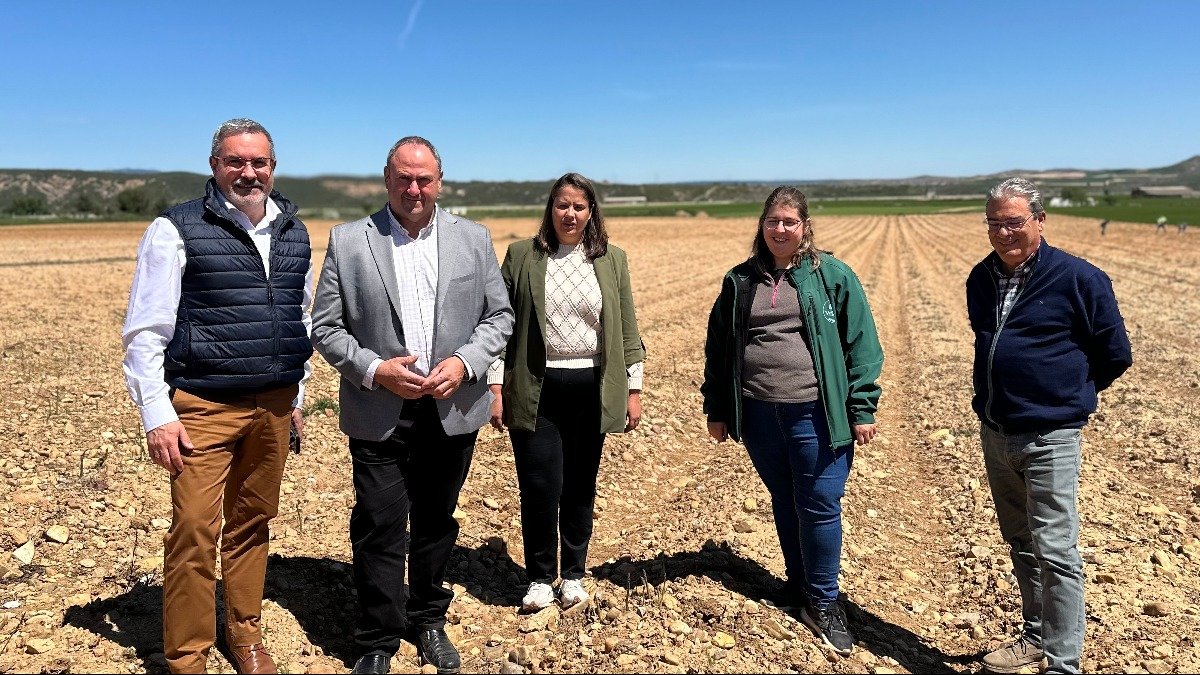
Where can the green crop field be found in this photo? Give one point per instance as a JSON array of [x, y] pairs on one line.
[[866, 207], [1140, 210]]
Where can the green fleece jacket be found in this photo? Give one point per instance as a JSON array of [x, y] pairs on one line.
[[841, 332], [524, 272]]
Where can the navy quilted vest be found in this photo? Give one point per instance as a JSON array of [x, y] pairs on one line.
[[238, 329]]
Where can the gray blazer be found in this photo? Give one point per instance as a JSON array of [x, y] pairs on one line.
[[356, 319]]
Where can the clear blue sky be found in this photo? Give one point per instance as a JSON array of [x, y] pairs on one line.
[[647, 91]]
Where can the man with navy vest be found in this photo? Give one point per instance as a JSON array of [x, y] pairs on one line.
[[411, 310], [216, 354], [1048, 339]]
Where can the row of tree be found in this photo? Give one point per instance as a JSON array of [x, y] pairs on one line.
[[134, 201]]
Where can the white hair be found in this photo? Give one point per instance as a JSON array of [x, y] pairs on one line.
[[1018, 188]]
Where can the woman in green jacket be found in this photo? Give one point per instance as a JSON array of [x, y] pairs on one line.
[[572, 372], [791, 363]]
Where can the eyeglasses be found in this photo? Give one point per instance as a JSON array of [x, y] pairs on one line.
[[787, 224], [259, 164], [1012, 225]]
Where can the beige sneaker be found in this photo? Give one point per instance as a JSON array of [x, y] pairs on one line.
[[539, 597], [571, 593], [1014, 658]]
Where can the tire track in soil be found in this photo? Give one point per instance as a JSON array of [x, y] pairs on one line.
[[1172, 257], [888, 562], [917, 557]]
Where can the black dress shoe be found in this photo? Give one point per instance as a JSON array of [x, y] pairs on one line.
[[435, 647], [373, 663]]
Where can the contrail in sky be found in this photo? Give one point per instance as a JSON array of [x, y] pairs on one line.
[[412, 21]]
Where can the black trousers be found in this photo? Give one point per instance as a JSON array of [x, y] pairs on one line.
[[557, 464], [409, 481]]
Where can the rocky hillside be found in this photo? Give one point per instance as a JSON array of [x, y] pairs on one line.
[[81, 193]]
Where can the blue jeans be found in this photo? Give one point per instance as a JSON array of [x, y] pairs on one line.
[[1034, 478], [789, 446]]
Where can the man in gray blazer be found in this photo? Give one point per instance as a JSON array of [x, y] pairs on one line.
[[411, 310]]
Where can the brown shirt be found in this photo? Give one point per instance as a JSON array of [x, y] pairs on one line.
[[778, 365]]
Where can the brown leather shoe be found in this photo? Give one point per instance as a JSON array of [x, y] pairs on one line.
[[252, 659]]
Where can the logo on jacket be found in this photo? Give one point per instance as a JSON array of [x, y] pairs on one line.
[[828, 312]]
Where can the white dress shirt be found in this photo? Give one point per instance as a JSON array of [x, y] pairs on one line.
[[154, 305], [415, 261]]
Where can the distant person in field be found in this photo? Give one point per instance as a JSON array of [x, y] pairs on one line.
[[410, 309], [571, 374], [791, 363], [1103, 226], [1182, 226], [216, 354], [1048, 338], [1162, 224]]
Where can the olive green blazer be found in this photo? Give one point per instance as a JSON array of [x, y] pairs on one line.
[[524, 272]]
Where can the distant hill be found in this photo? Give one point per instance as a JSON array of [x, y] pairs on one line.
[[65, 192]]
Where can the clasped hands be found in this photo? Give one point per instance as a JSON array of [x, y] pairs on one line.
[[445, 378]]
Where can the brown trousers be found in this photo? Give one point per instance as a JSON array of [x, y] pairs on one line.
[[241, 443]]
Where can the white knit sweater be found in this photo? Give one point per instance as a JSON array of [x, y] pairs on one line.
[[573, 306]]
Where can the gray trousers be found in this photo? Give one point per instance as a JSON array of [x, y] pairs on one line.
[[1034, 478]]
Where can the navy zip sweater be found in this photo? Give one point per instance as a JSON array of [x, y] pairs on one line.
[[1063, 342]]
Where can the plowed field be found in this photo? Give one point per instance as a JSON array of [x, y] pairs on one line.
[[684, 549]]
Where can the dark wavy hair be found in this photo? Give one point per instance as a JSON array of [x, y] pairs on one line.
[[785, 195], [595, 237]]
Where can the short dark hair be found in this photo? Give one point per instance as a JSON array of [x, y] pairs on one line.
[[415, 140], [595, 237]]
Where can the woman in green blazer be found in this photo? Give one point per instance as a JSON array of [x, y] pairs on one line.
[[572, 373]]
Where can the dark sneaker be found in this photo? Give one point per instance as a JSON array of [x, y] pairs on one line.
[[434, 647], [1014, 657], [829, 624], [787, 599]]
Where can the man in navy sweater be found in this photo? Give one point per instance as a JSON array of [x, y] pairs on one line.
[[1048, 338]]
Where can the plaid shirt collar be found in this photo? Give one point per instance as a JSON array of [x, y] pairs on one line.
[[1009, 284], [1021, 271]]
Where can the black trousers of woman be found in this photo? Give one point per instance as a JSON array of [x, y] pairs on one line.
[[557, 464]]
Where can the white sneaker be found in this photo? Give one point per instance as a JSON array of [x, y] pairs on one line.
[[539, 596], [571, 593]]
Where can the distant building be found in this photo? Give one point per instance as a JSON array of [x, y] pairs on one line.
[[456, 210], [1062, 202], [1164, 191], [619, 201]]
